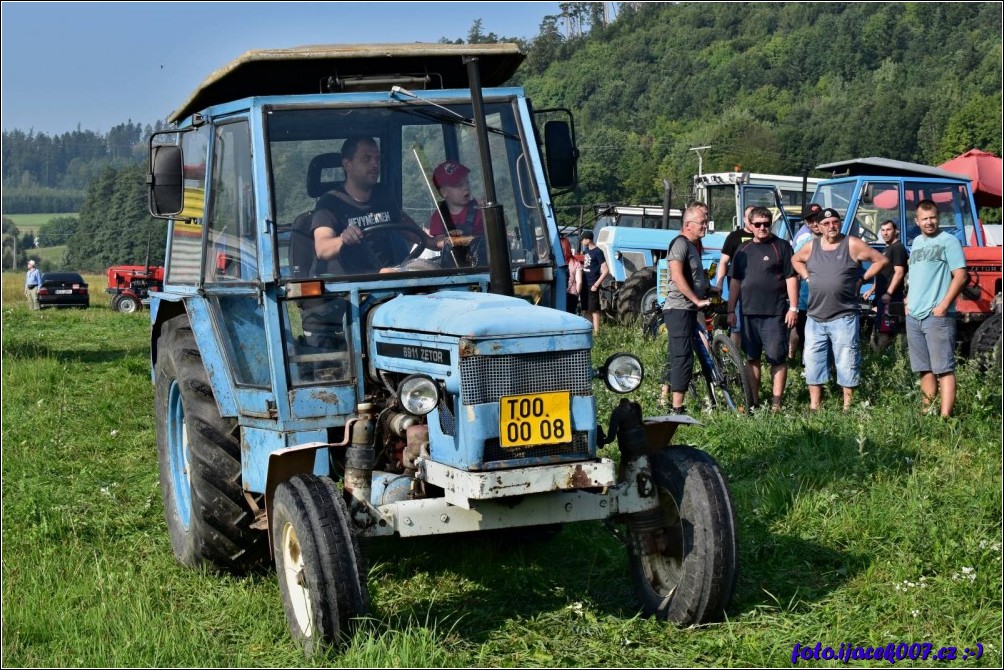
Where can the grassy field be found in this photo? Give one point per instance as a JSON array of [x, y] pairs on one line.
[[33, 222], [879, 526]]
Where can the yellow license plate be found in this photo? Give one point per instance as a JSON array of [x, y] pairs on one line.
[[537, 418]]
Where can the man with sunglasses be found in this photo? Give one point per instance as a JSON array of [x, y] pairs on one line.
[[831, 264], [763, 278]]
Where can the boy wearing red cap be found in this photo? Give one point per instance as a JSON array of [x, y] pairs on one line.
[[458, 209]]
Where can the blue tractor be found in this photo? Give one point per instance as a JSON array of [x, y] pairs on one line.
[[411, 384]]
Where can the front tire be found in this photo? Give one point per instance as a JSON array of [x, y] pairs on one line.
[[208, 517], [683, 556], [127, 304], [321, 574]]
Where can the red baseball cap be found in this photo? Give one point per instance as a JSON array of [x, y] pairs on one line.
[[449, 173]]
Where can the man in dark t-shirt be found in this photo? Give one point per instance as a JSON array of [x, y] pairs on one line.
[[345, 213], [594, 272], [763, 278], [888, 287], [732, 242]]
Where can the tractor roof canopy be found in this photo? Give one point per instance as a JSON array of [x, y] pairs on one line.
[[330, 68], [885, 167]]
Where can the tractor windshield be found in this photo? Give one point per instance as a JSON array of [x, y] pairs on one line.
[[396, 188]]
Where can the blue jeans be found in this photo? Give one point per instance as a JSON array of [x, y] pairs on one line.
[[932, 343], [844, 336]]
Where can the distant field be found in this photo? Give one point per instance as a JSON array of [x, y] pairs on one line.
[[34, 222]]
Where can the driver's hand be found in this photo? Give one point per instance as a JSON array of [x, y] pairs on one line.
[[352, 235]]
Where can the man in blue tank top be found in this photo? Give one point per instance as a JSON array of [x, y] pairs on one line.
[[831, 264], [937, 276]]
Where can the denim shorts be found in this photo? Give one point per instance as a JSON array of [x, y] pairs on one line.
[[932, 343], [844, 337]]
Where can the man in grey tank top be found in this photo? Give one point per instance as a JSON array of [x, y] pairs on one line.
[[831, 264]]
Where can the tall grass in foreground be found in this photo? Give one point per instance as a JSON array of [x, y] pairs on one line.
[[878, 526]]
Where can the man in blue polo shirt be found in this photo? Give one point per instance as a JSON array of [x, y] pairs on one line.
[[937, 276]]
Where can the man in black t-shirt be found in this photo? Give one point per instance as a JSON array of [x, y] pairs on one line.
[[732, 242], [594, 272], [344, 214], [888, 287], [763, 278]]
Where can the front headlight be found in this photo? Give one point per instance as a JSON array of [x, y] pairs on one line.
[[622, 373], [419, 395]]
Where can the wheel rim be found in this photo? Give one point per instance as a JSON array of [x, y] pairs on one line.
[[127, 305], [295, 579], [177, 438], [650, 300], [731, 377], [663, 568]]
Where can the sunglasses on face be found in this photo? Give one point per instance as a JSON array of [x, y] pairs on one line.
[[760, 224]]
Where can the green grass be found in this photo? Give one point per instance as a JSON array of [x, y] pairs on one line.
[[34, 222], [873, 527]]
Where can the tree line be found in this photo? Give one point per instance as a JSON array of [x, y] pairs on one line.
[[769, 87]]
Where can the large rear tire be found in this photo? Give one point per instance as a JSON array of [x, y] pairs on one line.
[[684, 557], [986, 344], [321, 571], [630, 298], [208, 517]]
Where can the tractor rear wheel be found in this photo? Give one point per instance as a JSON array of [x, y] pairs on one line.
[[322, 576], [986, 344], [208, 517], [630, 299], [683, 555]]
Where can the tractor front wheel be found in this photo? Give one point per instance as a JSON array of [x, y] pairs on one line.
[[631, 299], [208, 517], [321, 571], [127, 304], [683, 554]]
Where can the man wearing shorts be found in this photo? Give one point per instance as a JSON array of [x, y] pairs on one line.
[[937, 276], [762, 276]]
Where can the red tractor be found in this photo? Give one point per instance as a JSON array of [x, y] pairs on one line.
[[130, 286]]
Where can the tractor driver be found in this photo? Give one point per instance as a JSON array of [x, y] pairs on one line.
[[344, 215]]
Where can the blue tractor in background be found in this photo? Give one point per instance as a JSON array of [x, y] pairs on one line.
[[304, 407]]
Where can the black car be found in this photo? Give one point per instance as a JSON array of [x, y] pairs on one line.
[[63, 289]]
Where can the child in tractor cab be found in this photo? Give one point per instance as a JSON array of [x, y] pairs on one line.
[[457, 222]]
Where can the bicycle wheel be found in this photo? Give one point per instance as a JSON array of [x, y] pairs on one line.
[[732, 379]]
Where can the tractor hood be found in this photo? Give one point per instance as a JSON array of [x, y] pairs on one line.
[[475, 316]]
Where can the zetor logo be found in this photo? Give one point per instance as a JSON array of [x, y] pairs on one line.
[[450, 168]]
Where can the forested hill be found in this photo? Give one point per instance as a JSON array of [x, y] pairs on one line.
[[773, 87]]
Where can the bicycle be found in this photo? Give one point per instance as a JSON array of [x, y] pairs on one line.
[[716, 358]]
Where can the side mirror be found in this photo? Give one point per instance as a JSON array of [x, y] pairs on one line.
[[562, 156], [166, 181]]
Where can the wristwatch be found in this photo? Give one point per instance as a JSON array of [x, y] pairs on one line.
[[792, 309]]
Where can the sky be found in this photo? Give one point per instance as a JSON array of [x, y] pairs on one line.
[[95, 65]]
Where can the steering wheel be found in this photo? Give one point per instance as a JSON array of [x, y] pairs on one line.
[[408, 229]]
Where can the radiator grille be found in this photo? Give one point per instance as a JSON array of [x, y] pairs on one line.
[[577, 448], [485, 379]]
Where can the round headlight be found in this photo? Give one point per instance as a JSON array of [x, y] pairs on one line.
[[418, 394], [623, 373]]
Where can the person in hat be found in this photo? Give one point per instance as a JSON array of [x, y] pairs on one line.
[[458, 219], [831, 264], [808, 231], [32, 281], [594, 271]]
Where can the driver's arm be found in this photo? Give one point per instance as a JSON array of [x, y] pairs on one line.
[[327, 243]]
